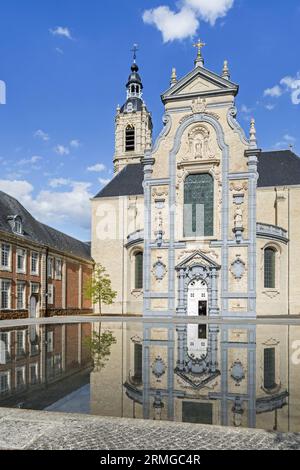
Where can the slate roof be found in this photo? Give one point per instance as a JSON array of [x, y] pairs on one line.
[[276, 168], [127, 182], [37, 232]]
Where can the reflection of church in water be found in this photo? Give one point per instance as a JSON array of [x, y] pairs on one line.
[[228, 374]]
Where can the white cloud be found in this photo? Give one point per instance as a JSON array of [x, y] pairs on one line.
[[185, 22], [57, 182], [59, 51], [210, 10], [270, 107], [61, 31], [293, 85], [275, 92], [41, 135], [288, 84], [104, 181], [75, 143], [16, 188], [97, 168], [70, 207], [29, 161], [172, 25], [289, 138], [62, 150], [245, 109]]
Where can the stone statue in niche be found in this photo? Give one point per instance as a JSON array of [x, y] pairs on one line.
[[159, 229], [199, 143], [238, 218]]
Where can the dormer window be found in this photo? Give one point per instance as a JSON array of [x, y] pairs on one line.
[[129, 108], [16, 223], [18, 226]]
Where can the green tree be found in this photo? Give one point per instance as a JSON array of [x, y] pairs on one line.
[[99, 345], [98, 288]]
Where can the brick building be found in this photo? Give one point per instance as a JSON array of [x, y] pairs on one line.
[[38, 356], [42, 271]]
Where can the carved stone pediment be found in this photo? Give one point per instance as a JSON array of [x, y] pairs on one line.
[[198, 258]]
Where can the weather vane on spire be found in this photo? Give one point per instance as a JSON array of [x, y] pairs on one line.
[[199, 59], [134, 50]]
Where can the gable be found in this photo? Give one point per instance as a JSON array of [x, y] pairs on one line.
[[198, 258], [200, 81]]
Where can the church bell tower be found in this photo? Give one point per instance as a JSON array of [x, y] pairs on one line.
[[133, 132]]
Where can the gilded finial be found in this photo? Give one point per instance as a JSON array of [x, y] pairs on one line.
[[199, 61], [226, 73], [173, 77], [253, 140]]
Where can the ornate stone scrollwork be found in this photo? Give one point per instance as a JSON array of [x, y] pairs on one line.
[[238, 186], [199, 143], [158, 367], [159, 270], [238, 268], [237, 372], [199, 105]]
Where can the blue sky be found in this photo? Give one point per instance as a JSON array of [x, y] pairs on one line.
[[65, 65]]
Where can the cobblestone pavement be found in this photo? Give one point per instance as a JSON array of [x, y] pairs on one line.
[[23, 429]]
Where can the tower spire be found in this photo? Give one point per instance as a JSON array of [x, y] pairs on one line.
[[134, 85]]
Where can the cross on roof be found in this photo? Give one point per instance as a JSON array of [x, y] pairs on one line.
[[134, 50]]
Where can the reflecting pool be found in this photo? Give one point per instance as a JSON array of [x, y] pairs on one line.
[[244, 374]]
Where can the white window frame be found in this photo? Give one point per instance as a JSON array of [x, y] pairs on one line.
[[32, 290], [2, 281], [21, 270], [18, 225], [7, 374], [23, 370], [50, 341], [58, 272], [23, 285], [50, 294], [35, 272], [23, 342], [50, 266], [4, 267]]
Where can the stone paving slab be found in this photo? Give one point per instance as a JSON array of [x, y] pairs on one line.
[[24, 429]]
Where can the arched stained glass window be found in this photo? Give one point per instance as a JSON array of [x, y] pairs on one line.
[[139, 270], [269, 268], [199, 205]]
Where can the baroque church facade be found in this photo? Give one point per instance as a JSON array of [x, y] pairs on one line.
[[202, 221]]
